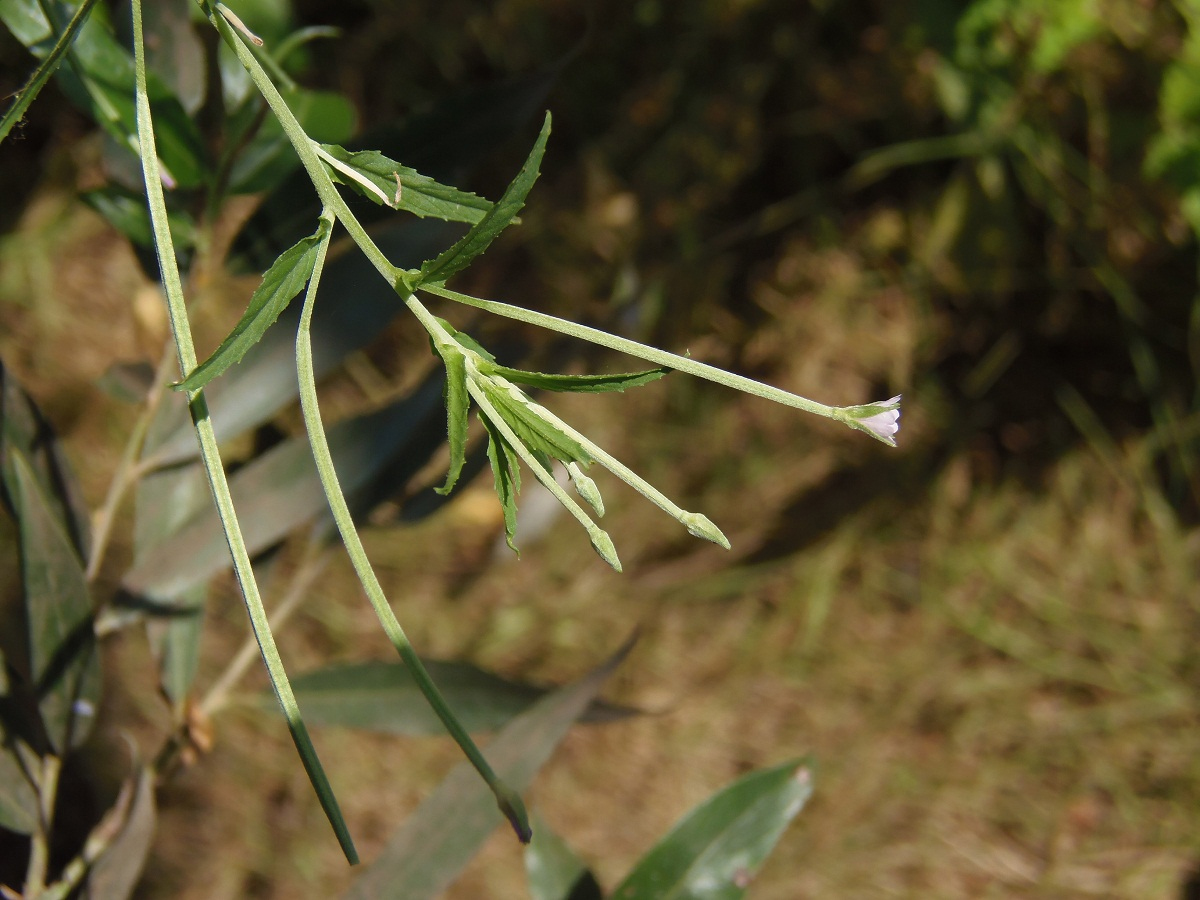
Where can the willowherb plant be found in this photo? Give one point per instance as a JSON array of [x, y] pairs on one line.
[[520, 431]]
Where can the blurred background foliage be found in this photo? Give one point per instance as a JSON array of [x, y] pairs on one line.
[[985, 637]]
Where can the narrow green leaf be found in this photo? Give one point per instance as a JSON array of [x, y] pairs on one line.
[[282, 282], [715, 851], [176, 642], [126, 212], [382, 696], [499, 217], [116, 873], [400, 187], [534, 431], [553, 869], [457, 403], [446, 831], [18, 797], [589, 384], [506, 476], [41, 75], [467, 341], [62, 645]]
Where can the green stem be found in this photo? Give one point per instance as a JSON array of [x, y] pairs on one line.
[[507, 799], [211, 457], [641, 351]]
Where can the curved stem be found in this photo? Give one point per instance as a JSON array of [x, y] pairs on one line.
[[211, 457], [508, 800]]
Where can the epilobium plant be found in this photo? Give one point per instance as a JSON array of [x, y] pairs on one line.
[[522, 434]]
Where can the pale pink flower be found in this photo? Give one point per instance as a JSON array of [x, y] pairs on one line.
[[882, 424]]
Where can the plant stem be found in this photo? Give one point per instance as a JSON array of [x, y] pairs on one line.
[[211, 457], [336, 208], [641, 351]]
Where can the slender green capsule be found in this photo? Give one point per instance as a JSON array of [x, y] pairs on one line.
[[702, 527], [603, 545], [586, 488]]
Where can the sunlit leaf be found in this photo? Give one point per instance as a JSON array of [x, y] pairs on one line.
[[457, 402], [446, 831], [715, 851], [282, 282], [405, 188], [116, 873], [64, 665], [554, 871], [506, 477], [588, 384], [499, 217], [534, 431]]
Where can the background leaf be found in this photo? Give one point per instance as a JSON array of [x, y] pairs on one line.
[[553, 869], [116, 873], [19, 808], [715, 851], [64, 666], [381, 696], [445, 832]]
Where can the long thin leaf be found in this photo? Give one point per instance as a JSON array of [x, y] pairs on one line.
[[400, 187], [457, 403], [62, 645], [499, 217], [714, 852], [442, 836], [282, 282], [553, 869], [382, 696], [506, 477], [116, 873], [47, 68], [18, 797], [585, 384]]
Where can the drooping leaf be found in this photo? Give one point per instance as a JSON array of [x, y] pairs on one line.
[[381, 696], [116, 873], [534, 431], [553, 869], [499, 217], [587, 384], [446, 831], [715, 851], [457, 402], [175, 639], [282, 282], [506, 477], [64, 666], [406, 188]]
